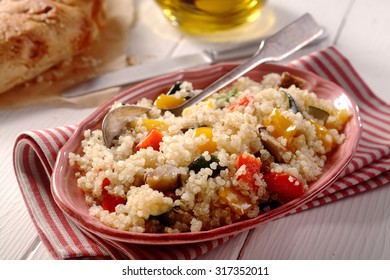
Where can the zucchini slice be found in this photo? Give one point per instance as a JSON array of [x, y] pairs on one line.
[[174, 88], [318, 113], [292, 105], [201, 162]]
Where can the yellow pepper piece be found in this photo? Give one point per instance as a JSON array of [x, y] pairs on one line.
[[324, 135], [164, 101], [151, 123], [342, 116], [208, 103], [282, 126], [210, 145], [239, 203]]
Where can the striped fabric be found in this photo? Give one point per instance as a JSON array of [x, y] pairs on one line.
[[35, 153]]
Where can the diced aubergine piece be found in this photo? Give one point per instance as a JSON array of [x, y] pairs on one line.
[[273, 146], [287, 80], [163, 178]]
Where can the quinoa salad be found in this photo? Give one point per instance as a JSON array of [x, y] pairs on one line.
[[244, 151]]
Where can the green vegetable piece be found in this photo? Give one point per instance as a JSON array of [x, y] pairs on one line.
[[292, 104], [318, 113], [201, 162], [229, 95], [174, 88]]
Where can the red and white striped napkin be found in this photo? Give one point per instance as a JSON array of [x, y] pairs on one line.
[[35, 153]]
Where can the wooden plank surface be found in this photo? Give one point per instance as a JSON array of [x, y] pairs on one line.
[[353, 228]]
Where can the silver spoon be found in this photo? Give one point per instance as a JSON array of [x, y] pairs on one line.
[[290, 39]]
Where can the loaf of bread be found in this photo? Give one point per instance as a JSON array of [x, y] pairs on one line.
[[36, 35]]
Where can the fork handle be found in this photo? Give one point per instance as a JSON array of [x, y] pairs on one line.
[[290, 39]]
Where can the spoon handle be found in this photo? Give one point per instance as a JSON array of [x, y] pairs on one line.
[[290, 39]]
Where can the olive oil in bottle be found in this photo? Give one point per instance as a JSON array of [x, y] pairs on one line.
[[201, 17]]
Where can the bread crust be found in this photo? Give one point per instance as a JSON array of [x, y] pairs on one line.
[[36, 35]]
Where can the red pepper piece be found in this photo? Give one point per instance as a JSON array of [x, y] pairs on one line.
[[152, 139], [245, 100], [252, 166], [109, 201], [285, 185]]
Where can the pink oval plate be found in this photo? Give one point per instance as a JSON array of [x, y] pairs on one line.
[[71, 199]]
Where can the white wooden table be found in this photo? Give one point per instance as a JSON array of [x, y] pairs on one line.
[[354, 228]]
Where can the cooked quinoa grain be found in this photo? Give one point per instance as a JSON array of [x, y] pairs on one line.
[[248, 149]]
